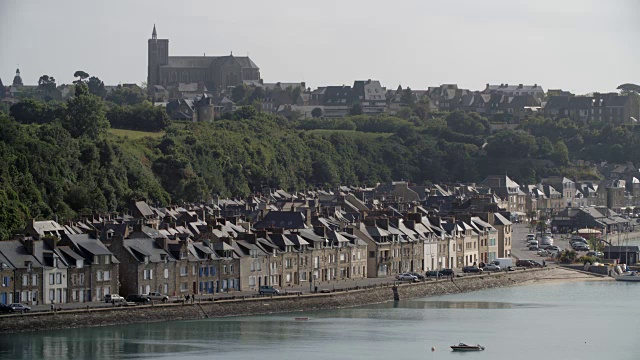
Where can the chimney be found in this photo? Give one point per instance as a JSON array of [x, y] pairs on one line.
[[520, 86], [163, 243], [51, 242], [28, 245], [320, 231], [383, 223]]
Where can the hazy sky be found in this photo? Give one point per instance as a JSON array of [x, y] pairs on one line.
[[577, 45]]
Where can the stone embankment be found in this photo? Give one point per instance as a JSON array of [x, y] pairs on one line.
[[278, 304]]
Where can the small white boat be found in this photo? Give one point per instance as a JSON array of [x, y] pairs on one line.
[[628, 276], [465, 347]]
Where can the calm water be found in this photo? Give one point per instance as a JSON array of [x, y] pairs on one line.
[[589, 320]]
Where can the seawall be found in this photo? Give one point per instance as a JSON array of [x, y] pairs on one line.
[[254, 306]]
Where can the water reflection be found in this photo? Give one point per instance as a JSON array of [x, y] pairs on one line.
[[159, 338]]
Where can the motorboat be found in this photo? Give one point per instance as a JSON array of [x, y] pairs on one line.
[[465, 347], [628, 276]]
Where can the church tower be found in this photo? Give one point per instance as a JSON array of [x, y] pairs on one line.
[[17, 80], [158, 56]]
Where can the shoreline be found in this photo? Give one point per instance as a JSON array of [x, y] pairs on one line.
[[294, 303]]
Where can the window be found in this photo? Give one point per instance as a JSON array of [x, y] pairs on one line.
[[107, 290], [25, 280], [34, 280], [193, 269], [303, 276], [372, 254], [51, 279], [342, 258], [107, 259], [58, 278], [252, 281], [212, 271], [224, 269], [52, 295], [107, 276], [184, 287], [99, 275], [166, 273], [231, 268], [288, 277], [165, 288], [184, 271]]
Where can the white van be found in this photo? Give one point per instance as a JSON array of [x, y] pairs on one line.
[[504, 263]]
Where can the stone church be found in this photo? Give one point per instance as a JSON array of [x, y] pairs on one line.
[[216, 72]]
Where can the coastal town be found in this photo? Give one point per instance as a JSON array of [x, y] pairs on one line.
[[316, 239], [294, 241]]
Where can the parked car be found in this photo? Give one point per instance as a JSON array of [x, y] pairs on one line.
[[533, 247], [491, 267], [471, 269], [19, 307], [578, 241], [5, 309], [419, 276], [595, 253], [433, 273], [113, 298], [580, 247], [527, 263], [552, 248], [406, 277], [446, 272], [268, 290], [141, 299], [543, 252], [156, 296]]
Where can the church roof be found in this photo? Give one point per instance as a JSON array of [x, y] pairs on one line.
[[206, 61]]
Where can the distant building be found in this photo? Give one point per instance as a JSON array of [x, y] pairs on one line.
[[512, 90], [217, 72]]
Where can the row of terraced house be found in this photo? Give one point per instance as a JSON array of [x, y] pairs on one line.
[[281, 239]]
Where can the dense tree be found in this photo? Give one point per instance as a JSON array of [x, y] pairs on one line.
[[238, 93], [407, 98], [96, 87], [85, 114], [316, 112], [356, 109], [560, 153], [143, 117], [510, 143], [127, 95], [47, 83]]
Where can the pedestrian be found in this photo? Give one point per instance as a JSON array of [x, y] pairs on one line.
[[52, 307], [193, 298], [544, 263]]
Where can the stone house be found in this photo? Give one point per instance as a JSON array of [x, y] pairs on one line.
[[145, 266], [503, 226], [93, 271], [22, 274]]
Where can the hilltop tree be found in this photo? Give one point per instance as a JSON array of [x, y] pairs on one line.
[[81, 75], [47, 83], [85, 115], [96, 87], [407, 97]]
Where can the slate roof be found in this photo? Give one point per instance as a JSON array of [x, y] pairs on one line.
[[283, 220], [17, 254], [141, 247], [501, 220]]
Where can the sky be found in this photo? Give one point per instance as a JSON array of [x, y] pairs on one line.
[[577, 45]]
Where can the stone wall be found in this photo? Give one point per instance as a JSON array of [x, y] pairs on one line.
[[279, 304]]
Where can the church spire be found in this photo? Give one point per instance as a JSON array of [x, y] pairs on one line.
[[154, 34]]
